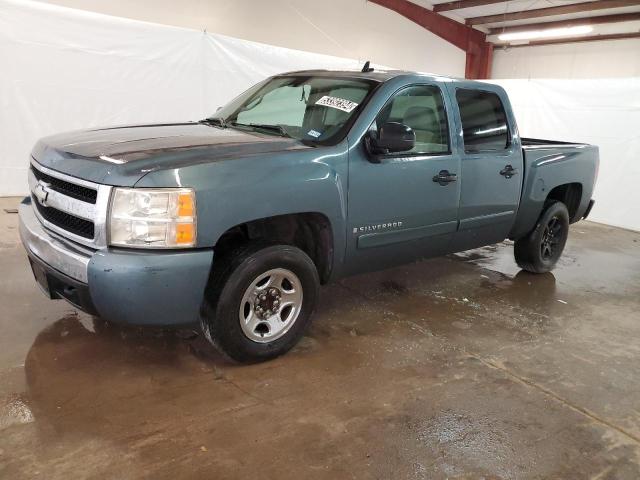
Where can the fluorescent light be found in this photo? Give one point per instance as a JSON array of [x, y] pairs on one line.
[[552, 32]]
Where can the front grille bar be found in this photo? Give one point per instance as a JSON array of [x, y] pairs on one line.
[[70, 223], [52, 198], [57, 206], [68, 189]]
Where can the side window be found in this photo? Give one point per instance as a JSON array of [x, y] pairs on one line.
[[420, 107], [484, 122]]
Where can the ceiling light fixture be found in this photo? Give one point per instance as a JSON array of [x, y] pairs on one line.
[[550, 33]]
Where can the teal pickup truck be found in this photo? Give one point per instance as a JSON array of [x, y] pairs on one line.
[[234, 222]]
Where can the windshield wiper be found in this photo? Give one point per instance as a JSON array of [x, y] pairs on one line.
[[279, 129], [216, 121]]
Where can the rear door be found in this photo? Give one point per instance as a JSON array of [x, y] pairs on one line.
[[491, 165]]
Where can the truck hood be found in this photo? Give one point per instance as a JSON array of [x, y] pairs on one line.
[[123, 155]]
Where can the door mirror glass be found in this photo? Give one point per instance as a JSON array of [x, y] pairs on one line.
[[392, 137]]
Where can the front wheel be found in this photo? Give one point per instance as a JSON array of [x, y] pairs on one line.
[[540, 250], [259, 301]]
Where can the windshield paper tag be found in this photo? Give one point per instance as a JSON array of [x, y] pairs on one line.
[[313, 133], [339, 103]]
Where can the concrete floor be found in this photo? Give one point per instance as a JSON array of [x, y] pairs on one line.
[[458, 367]]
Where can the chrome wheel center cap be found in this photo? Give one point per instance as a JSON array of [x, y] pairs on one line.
[[267, 302]]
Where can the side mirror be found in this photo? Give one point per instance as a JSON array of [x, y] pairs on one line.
[[392, 137]]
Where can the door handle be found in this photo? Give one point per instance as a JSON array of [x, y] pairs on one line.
[[508, 171], [444, 177]]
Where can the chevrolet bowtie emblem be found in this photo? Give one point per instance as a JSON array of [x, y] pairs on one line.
[[41, 192]]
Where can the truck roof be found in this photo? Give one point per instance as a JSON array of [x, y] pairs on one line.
[[377, 75]]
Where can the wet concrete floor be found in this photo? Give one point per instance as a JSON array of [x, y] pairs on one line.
[[458, 367]]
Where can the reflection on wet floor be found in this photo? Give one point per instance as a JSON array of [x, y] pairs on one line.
[[459, 367]]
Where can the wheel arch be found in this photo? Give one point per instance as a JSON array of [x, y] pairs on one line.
[[312, 232], [570, 194]]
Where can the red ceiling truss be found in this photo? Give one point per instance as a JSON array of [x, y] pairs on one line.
[[473, 42]]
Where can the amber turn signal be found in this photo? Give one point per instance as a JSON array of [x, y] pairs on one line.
[[186, 208], [185, 234]]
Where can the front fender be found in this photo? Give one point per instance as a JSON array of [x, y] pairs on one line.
[[232, 192]]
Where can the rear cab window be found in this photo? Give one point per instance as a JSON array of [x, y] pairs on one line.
[[484, 121]]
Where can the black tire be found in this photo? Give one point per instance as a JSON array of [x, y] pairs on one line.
[[539, 251], [232, 276]]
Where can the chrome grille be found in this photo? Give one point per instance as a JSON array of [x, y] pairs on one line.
[[69, 206], [69, 189], [75, 225]]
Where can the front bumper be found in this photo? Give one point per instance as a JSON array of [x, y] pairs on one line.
[[154, 288], [588, 210]]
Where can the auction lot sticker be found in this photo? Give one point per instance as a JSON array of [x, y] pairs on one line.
[[339, 103]]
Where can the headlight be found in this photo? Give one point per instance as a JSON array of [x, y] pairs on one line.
[[153, 218]]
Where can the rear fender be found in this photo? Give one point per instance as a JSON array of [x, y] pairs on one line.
[[547, 168]]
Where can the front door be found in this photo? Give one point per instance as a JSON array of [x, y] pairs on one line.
[[405, 206], [491, 167]]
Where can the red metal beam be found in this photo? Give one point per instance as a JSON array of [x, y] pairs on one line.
[[459, 4], [621, 17], [479, 61], [473, 42], [550, 11]]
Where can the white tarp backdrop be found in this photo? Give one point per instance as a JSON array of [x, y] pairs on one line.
[[65, 69], [603, 112]]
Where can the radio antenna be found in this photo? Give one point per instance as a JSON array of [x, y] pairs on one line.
[[367, 68]]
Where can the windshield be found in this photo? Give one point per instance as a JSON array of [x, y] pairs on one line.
[[311, 109]]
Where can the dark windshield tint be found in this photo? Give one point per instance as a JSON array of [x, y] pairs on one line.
[[317, 109], [484, 122]]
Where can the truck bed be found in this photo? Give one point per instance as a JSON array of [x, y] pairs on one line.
[[538, 142]]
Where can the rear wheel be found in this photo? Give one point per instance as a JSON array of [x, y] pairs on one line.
[[540, 250], [259, 301]]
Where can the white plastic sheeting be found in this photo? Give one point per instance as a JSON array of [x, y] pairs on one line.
[[588, 60], [603, 112], [65, 69]]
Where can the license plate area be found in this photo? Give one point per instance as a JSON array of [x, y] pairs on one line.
[[41, 278]]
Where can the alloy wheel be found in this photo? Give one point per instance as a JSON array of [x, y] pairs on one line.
[[270, 305]]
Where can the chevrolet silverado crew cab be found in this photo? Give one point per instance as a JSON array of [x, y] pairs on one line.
[[234, 221]]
